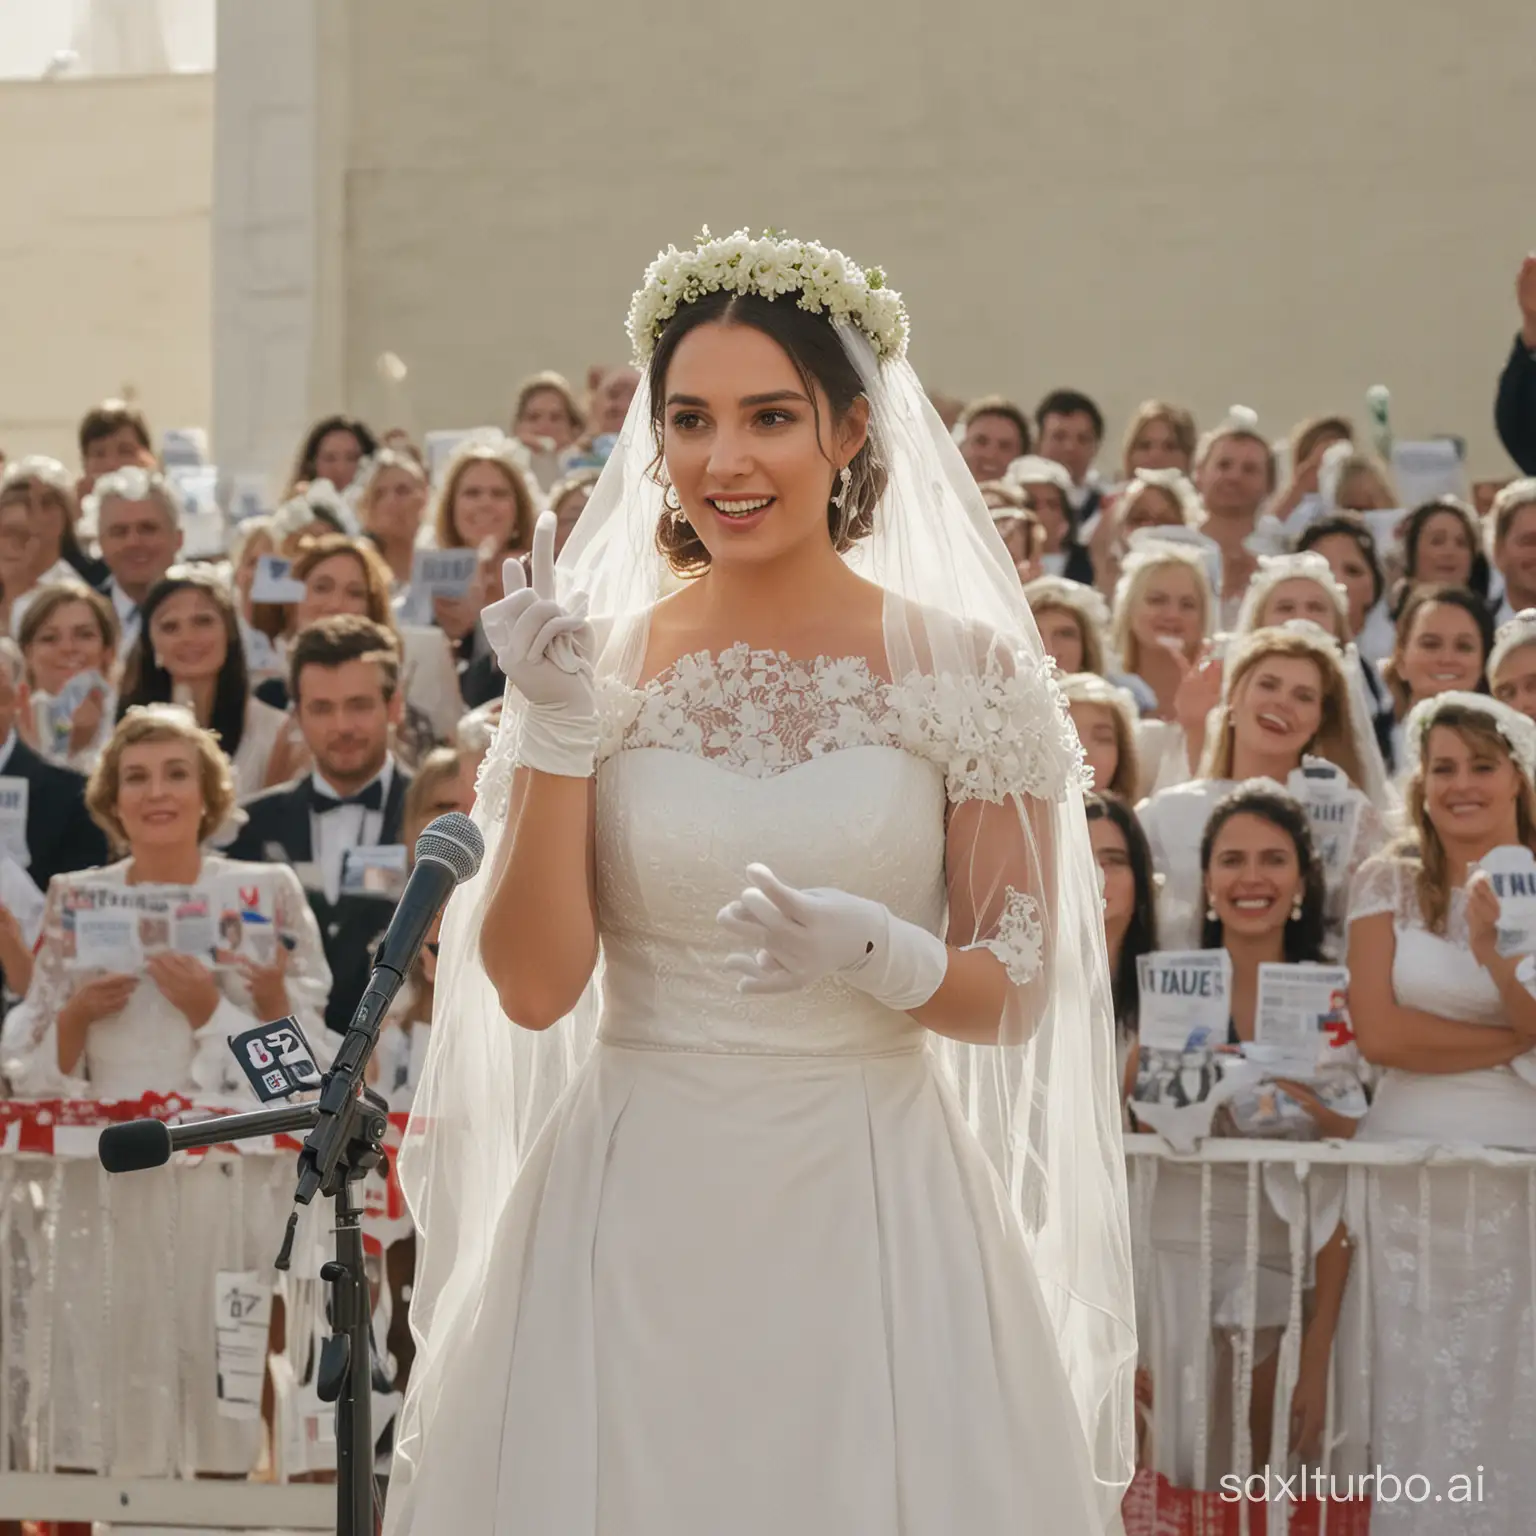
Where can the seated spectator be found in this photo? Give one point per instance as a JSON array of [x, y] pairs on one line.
[[138, 525], [1159, 436], [568, 499], [331, 451], [113, 436], [1349, 547], [546, 417], [1514, 411], [1073, 621], [60, 837], [1235, 475], [69, 631], [1070, 428], [1444, 638], [1513, 529], [1130, 912], [1021, 532], [344, 679], [38, 515], [346, 576], [1512, 664], [1151, 498], [1353, 481], [391, 497], [1047, 489], [1285, 698], [248, 542], [992, 433], [1300, 500], [160, 789], [1442, 546], [1263, 900], [1446, 1015], [190, 654], [1105, 717]]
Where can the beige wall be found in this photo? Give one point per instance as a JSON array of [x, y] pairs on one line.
[[104, 253], [1277, 203]]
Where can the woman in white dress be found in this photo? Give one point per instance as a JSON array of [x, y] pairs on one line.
[[69, 631], [1286, 699], [1444, 639], [755, 1271], [1512, 664], [1453, 1380], [132, 1384], [189, 653]]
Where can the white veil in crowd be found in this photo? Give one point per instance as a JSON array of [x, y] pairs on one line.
[[1045, 1102]]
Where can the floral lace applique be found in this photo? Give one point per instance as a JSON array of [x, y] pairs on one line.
[[1020, 938]]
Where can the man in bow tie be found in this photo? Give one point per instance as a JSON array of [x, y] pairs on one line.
[[344, 680]]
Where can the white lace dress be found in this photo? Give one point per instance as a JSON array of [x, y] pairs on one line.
[[1450, 1251], [120, 1374], [757, 1275]]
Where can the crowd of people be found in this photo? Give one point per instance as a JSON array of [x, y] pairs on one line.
[[1308, 710]]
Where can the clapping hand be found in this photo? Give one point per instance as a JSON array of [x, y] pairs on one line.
[[268, 984], [1483, 923], [799, 937]]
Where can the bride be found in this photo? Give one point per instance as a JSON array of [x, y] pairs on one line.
[[767, 1151]]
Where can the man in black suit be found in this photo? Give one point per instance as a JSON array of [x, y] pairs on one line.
[[59, 838], [1514, 411], [344, 679]]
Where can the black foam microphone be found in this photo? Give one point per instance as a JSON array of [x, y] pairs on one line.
[[149, 1143]]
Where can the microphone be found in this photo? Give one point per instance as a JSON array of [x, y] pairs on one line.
[[149, 1143]]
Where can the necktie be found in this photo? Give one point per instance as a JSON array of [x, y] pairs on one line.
[[371, 798]]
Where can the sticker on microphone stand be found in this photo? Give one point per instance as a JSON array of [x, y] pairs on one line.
[[276, 1060]]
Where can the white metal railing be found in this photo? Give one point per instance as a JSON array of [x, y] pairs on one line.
[[1299, 1191]]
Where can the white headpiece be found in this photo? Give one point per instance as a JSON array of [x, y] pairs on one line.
[[770, 266], [1305, 565], [385, 458], [1165, 546], [1517, 632], [1032, 469], [1331, 470], [1090, 688], [1518, 730], [319, 501], [1518, 493], [491, 443], [953, 609], [130, 483], [1061, 592], [36, 466], [1174, 481]]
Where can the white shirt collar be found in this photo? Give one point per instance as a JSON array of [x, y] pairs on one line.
[[385, 777], [127, 609], [7, 747]]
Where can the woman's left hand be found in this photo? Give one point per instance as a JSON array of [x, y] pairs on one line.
[[1330, 1122], [455, 616], [268, 984], [187, 984], [1483, 923]]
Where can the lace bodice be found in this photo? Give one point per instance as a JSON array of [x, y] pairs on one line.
[[832, 776]]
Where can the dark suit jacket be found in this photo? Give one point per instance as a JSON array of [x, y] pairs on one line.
[[1514, 412], [351, 926], [61, 837]]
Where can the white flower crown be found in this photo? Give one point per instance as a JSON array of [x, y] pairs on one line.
[[1513, 633], [36, 466], [1516, 729], [771, 266], [1304, 565]]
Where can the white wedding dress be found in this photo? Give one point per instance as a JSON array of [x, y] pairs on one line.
[[758, 1276]]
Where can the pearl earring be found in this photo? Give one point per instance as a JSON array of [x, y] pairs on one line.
[[1210, 911], [1296, 908], [844, 480]]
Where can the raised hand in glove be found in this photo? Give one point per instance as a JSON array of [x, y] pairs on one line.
[[546, 650], [799, 937]]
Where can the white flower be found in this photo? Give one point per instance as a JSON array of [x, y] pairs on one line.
[[841, 681]]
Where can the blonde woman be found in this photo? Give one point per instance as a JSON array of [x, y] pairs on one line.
[[1047, 489], [162, 1026], [1512, 663], [1151, 498], [1159, 436], [69, 631], [1447, 1017], [1163, 610], [1105, 718], [392, 495], [1285, 698], [485, 496], [1073, 621]]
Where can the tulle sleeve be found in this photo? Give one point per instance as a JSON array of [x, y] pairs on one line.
[[1376, 887]]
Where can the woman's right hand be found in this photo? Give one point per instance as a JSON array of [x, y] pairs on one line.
[[86, 720], [543, 648], [93, 1001]]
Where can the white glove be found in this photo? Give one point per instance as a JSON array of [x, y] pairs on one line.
[[799, 937], [546, 651]]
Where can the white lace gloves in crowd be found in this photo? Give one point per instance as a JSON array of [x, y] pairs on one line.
[[546, 649], [800, 937]]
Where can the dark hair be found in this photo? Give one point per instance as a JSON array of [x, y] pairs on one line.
[[816, 351], [105, 419], [999, 405], [145, 681], [1070, 402], [1141, 931], [304, 464], [1421, 597], [1413, 532], [1261, 798], [344, 637], [1352, 526]]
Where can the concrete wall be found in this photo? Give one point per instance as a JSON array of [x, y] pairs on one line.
[[104, 253], [1277, 203]]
